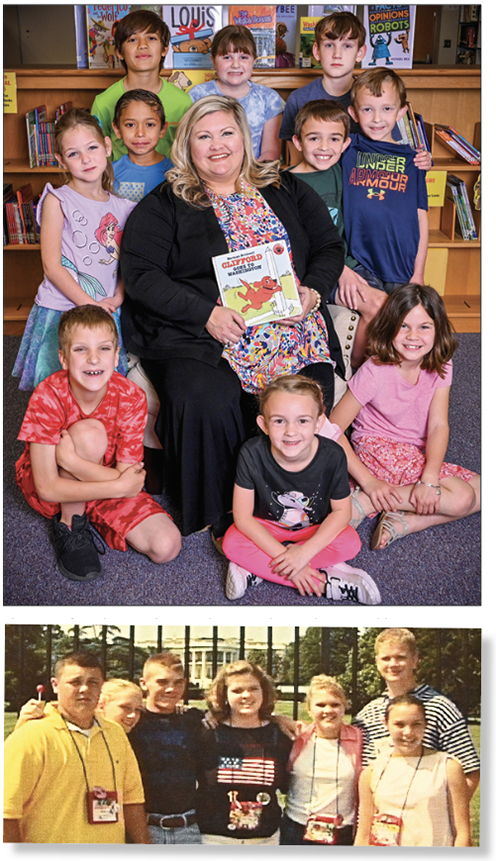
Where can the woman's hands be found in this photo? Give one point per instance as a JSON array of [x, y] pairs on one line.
[[308, 301], [225, 325]]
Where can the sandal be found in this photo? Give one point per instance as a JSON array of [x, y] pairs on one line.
[[388, 520], [358, 512]]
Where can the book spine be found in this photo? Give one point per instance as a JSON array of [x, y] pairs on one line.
[[452, 144], [468, 211], [471, 148], [11, 223], [459, 209]]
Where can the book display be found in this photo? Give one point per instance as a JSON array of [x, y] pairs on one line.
[[443, 100], [261, 20], [192, 29], [390, 32]]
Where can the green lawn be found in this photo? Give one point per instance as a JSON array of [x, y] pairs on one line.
[[286, 708]]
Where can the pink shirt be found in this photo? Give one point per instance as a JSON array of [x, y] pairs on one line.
[[391, 406]]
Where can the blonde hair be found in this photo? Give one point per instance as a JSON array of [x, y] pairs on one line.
[[292, 384], [184, 177], [326, 683], [397, 635], [71, 120], [373, 80], [113, 687], [217, 695]]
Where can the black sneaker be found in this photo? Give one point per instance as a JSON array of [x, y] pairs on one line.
[[77, 549]]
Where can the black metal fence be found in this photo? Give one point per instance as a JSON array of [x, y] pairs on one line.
[[31, 651]]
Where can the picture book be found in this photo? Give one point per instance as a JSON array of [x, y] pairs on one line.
[[261, 20], [286, 36], [192, 30], [184, 79], [307, 38], [390, 31], [100, 22], [436, 186], [327, 8], [258, 282]]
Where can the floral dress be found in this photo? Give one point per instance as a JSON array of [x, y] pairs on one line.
[[266, 350]]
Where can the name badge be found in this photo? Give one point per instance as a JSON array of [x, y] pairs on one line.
[[385, 830], [323, 829], [102, 805]]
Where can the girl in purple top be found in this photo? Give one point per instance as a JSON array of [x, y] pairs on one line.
[[398, 404], [81, 228]]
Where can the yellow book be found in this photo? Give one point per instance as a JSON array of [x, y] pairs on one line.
[[307, 38], [436, 266], [9, 93], [184, 79], [436, 186]]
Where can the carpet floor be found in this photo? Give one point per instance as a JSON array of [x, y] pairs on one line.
[[439, 566]]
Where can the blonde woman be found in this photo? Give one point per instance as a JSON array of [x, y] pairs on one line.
[[202, 360], [325, 765]]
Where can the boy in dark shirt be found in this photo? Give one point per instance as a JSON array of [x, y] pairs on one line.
[[339, 45]]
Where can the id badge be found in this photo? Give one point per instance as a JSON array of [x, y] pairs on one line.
[[103, 806], [323, 829], [244, 815], [385, 830]]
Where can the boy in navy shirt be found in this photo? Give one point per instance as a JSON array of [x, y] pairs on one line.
[[139, 121], [384, 198], [339, 45]]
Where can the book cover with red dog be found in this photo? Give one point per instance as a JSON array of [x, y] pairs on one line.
[[258, 283]]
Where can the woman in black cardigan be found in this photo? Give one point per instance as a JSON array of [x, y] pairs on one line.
[[218, 198]]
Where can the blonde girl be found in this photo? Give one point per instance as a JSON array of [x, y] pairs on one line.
[[325, 765], [81, 226]]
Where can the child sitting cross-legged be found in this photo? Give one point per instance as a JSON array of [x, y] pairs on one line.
[[292, 503], [398, 403], [139, 121], [83, 430]]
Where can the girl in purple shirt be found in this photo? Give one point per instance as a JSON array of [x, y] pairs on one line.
[[398, 404]]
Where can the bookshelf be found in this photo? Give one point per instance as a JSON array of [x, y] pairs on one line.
[[447, 95]]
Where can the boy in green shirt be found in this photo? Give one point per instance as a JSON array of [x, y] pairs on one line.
[[141, 42]]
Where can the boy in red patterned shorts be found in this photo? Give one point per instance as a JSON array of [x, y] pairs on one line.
[[82, 462]]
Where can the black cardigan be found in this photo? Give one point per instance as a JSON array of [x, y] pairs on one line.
[[170, 283]]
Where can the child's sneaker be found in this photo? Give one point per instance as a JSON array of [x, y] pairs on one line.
[[76, 549], [238, 581], [345, 583]]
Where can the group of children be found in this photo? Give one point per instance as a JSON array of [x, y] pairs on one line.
[[294, 518]]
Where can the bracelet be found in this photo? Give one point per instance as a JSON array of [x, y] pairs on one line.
[[318, 298], [437, 487]]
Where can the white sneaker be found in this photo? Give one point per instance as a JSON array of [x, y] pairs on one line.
[[345, 583], [238, 580]]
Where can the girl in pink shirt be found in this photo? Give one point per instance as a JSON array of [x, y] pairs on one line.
[[398, 404]]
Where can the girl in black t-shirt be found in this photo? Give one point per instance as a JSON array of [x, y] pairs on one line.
[[292, 503]]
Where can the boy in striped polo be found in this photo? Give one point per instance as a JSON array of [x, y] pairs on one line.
[[397, 658]]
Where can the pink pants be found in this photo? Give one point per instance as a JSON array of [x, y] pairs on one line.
[[240, 549]]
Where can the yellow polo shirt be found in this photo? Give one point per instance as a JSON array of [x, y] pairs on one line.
[[44, 782]]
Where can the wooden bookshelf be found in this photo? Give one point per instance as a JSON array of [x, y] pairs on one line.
[[447, 95]]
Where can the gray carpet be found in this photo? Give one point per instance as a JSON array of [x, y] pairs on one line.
[[438, 566]]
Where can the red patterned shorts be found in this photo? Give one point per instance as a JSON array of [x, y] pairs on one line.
[[400, 463], [113, 518]]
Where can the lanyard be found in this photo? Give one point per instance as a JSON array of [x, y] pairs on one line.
[[336, 776], [409, 785], [71, 735]]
